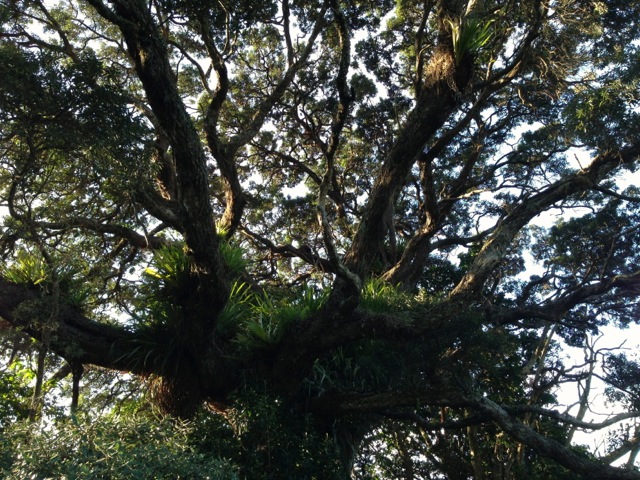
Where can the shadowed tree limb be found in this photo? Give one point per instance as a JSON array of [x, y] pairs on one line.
[[495, 247]]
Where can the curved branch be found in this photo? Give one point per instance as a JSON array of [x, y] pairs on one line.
[[438, 99], [568, 419], [149, 53], [290, 251], [136, 239], [345, 100], [225, 153], [494, 249], [554, 310], [550, 448]]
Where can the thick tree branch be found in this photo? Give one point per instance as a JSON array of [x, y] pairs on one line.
[[136, 239], [407, 270], [554, 310], [568, 419], [486, 410], [435, 104], [495, 247], [75, 337], [550, 448], [150, 56], [444, 89]]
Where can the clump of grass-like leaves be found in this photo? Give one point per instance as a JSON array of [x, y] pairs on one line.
[[26, 268], [30, 268], [257, 319], [382, 297], [170, 268], [234, 256], [468, 36]]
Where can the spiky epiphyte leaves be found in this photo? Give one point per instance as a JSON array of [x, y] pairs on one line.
[[233, 255], [468, 36], [237, 310], [234, 258], [270, 317], [382, 297], [160, 343], [29, 268], [257, 319], [170, 270], [26, 268]]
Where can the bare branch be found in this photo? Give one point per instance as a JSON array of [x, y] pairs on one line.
[[136, 239], [550, 448], [493, 250]]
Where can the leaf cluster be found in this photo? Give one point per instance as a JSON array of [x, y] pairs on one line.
[[257, 319], [468, 35], [109, 447]]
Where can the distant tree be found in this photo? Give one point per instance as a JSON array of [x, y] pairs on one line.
[[322, 220]]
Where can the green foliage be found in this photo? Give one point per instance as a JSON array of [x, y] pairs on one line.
[[623, 378], [13, 394], [29, 267], [171, 265], [381, 297], [468, 36], [114, 448], [168, 283], [70, 110], [99, 165], [269, 439], [259, 318], [234, 257], [237, 309], [155, 347], [363, 367], [26, 267]]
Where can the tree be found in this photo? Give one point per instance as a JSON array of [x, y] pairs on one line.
[[318, 219]]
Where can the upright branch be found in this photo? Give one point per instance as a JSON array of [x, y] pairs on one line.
[[408, 268], [225, 151], [148, 50], [345, 100], [444, 89]]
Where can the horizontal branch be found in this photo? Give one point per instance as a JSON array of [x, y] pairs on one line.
[[76, 337], [381, 403], [136, 239], [289, 250], [425, 424], [568, 419], [485, 411], [554, 310]]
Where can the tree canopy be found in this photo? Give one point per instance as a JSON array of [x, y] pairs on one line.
[[344, 238]]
